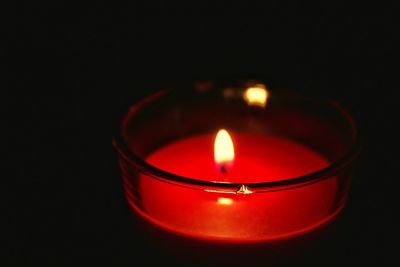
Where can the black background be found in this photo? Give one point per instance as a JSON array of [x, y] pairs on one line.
[[74, 69]]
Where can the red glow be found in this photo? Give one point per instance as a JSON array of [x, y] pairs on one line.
[[252, 216]]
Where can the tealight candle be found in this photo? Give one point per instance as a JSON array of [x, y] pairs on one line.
[[236, 163]]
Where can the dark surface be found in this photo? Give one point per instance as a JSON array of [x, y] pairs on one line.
[[76, 68]]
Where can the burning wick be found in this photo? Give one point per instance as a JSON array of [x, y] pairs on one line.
[[224, 153], [223, 169]]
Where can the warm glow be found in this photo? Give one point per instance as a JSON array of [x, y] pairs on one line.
[[256, 95], [225, 201], [223, 148]]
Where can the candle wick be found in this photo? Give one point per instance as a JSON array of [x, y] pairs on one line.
[[223, 169]]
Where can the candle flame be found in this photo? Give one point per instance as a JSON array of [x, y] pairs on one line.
[[223, 148], [256, 95]]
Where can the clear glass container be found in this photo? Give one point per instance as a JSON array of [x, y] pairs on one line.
[[297, 159]]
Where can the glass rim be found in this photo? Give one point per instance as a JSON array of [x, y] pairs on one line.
[[230, 187]]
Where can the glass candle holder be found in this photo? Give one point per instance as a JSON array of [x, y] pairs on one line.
[[290, 172]]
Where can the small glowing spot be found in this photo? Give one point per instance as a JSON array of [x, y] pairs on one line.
[[243, 189], [228, 92], [256, 95], [225, 201]]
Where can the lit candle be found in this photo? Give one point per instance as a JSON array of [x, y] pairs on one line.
[[267, 174], [245, 215]]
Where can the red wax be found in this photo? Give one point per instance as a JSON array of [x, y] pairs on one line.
[[238, 217]]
